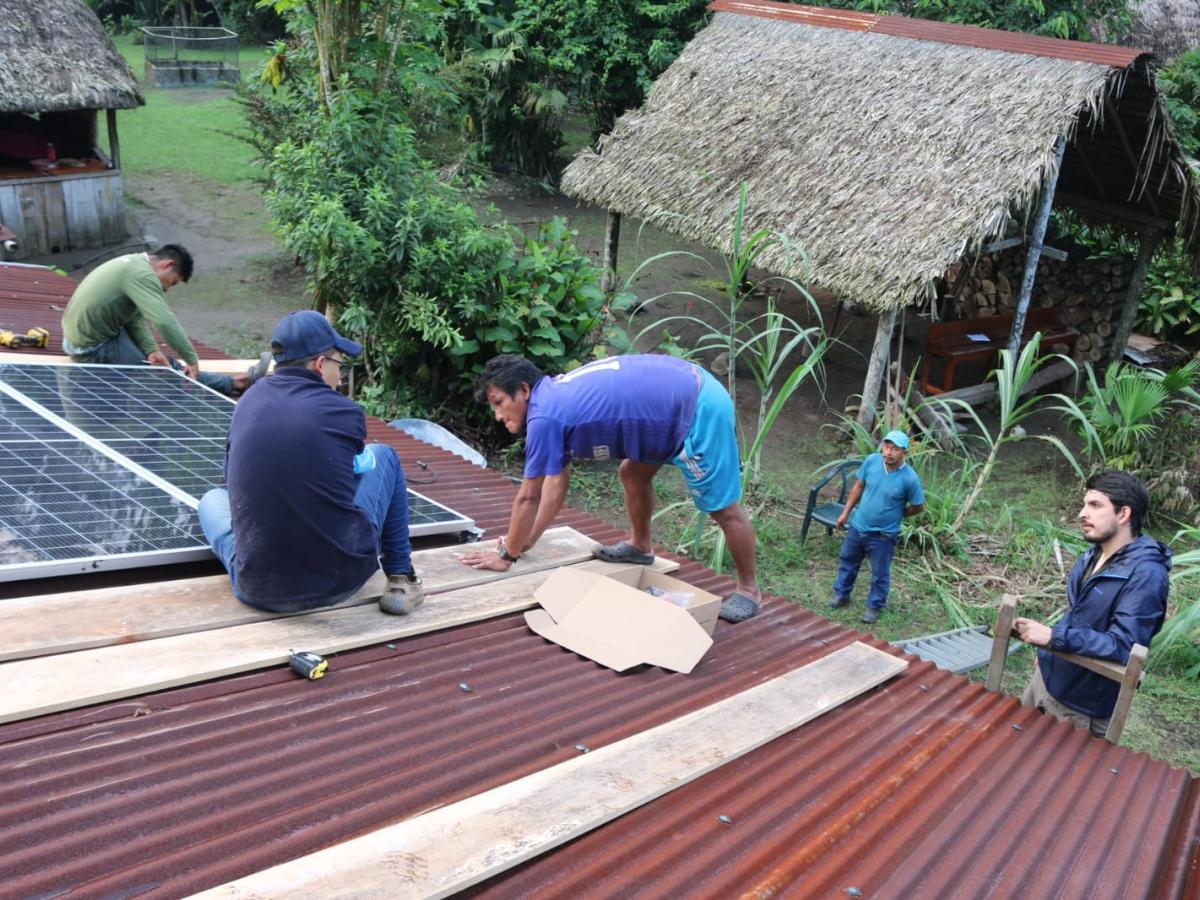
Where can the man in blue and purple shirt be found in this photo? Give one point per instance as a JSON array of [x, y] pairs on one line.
[[643, 410]]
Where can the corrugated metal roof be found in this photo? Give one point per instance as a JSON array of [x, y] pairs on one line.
[[926, 786], [942, 32]]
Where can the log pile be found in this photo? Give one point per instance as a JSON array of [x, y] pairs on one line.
[[1088, 293]]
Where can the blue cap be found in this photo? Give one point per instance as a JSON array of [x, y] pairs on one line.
[[899, 438], [306, 333]]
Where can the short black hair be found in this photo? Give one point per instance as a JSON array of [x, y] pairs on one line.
[[1123, 489], [506, 372], [178, 254]]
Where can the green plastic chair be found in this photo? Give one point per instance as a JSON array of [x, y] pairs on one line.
[[827, 512]]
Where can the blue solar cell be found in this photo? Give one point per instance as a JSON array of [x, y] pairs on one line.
[[67, 499]]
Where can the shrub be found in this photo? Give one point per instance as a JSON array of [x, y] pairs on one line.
[[406, 264]]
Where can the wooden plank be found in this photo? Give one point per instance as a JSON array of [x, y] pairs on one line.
[[82, 620], [228, 366], [1129, 684], [81, 198], [1004, 621], [449, 849], [46, 684], [112, 208]]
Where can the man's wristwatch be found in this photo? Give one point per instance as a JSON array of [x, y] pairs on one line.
[[506, 556]]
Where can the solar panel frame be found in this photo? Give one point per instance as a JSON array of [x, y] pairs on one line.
[[153, 422]]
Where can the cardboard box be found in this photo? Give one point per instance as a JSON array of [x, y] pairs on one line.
[[612, 620]]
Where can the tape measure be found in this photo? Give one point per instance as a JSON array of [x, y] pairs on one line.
[[308, 665]]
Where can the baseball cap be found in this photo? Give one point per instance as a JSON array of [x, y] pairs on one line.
[[899, 438], [308, 333]]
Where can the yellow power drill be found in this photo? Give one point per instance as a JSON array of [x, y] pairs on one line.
[[34, 337]]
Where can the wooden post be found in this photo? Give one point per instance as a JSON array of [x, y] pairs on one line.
[[1036, 240], [1129, 685], [875, 368], [1148, 241], [612, 236], [114, 148], [1003, 631]]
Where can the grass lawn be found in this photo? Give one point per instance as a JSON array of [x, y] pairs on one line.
[[188, 129]]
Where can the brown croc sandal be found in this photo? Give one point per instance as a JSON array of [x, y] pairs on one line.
[[624, 552]]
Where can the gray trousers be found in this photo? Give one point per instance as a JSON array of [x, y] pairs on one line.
[[1037, 696]]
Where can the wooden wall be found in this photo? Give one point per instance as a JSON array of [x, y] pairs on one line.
[[66, 212]]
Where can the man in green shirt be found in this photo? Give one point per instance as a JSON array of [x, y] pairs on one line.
[[111, 314]]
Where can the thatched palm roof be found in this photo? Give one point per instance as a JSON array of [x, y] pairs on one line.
[[55, 56], [1168, 27], [886, 157]]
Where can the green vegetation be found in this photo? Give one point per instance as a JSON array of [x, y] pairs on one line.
[[1052, 18], [1180, 82]]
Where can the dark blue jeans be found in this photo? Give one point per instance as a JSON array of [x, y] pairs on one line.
[[878, 547]]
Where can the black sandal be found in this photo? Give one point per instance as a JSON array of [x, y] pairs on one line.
[[624, 552]]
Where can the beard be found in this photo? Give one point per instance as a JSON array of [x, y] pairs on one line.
[[1099, 537]]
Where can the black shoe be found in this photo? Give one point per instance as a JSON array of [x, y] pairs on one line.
[[838, 602], [870, 616]]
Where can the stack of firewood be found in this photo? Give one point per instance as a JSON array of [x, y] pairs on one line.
[[1088, 293]]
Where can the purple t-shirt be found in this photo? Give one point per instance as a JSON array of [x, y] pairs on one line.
[[624, 407]]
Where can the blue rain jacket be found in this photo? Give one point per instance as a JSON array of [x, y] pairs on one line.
[[1108, 613]]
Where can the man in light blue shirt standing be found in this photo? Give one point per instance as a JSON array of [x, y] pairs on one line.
[[889, 490]]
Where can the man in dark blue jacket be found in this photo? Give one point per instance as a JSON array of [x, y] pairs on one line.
[[1116, 596], [308, 510]]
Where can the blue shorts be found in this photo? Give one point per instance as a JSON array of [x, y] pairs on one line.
[[710, 460]]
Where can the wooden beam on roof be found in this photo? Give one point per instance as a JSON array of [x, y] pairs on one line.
[[448, 849], [47, 624], [1133, 157], [1127, 216]]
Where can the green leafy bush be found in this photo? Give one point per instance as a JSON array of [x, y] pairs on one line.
[[1170, 306], [406, 264], [1052, 18], [1180, 82]]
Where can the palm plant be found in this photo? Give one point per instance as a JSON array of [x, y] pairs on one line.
[[1182, 630], [766, 343], [1011, 378], [1120, 419]]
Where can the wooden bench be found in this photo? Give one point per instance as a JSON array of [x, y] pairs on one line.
[[968, 339], [1129, 676]]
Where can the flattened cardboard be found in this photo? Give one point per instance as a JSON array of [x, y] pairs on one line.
[[617, 624]]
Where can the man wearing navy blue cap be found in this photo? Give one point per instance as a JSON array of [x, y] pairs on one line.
[[889, 490], [307, 510]]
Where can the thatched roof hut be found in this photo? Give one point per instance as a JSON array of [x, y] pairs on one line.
[[59, 190], [55, 56], [1167, 27], [887, 147]]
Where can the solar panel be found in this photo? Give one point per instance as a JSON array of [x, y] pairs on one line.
[[103, 466]]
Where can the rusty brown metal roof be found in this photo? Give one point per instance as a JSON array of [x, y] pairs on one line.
[[927, 786], [942, 32], [35, 296]]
